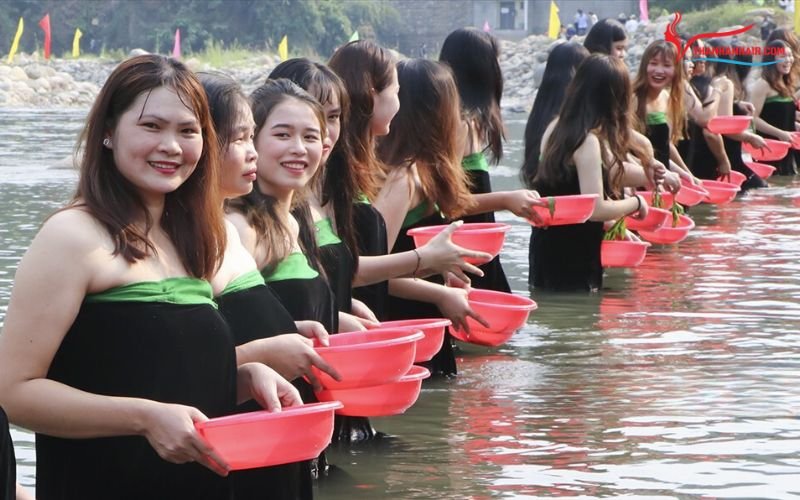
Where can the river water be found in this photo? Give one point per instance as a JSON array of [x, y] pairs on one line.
[[681, 379]]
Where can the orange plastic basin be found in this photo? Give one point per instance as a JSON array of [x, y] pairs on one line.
[[570, 209], [481, 236], [371, 357], [505, 313], [668, 234], [262, 438], [380, 400], [622, 253], [433, 329]]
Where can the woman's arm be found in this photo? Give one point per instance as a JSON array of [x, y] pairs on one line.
[[452, 302], [518, 202], [758, 96], [701, 111]]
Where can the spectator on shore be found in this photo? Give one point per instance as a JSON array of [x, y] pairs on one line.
[[592, 19], [767, 25], [631, 25], [581, 22]]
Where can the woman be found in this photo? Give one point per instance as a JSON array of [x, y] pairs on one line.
[[583, 153], [472, 55], [772, 97], [250, 307], [608, 37], [143, 234]]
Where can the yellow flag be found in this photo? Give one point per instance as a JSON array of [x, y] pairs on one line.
[[554, 27], [354, 37], [283, 48], [76, 43], [15, 43], [796, 16]]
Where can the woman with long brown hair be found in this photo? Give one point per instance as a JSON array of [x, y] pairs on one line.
[[113, 371], [583, 153]]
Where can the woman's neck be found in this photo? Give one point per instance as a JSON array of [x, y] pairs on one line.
[[283, 197]]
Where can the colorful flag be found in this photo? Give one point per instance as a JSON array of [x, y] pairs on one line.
[[554, 26], [486, 27], [44, 23], [644, 15], [176, 47], [283, 48], [354, 37], [76, 43], [15, 43]]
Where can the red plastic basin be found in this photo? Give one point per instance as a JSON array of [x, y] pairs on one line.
[[381, 400], [669, 234], [262, 438], [667, 198], [690, 195], [505, 313], [720, 192], [433, 329], [734, 177], [761, 169], [729, 124], [481, 236], [622, 253], [371, 357], [570, 209], [656, 217], [774, 150]]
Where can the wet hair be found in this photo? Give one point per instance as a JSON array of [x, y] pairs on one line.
[[472, 56], [597, 100], [365, 68], [425, 132], [192, 217], [337, 177], [561, 65], [226, 100], [603, 34], [675, 111], [783, 84], [260, 209]]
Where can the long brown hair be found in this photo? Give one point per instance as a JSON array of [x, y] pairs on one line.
[[338, 178], [676, 111], [473, 54], [597, 101], [782, 84], [365, 68], [261, 209], [425, 131], [192, 217], [788, 37]]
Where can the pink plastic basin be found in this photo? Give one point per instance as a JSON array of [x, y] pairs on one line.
[[622, 253], [795, 140], [372, 357], [720, 192], [729, 124], [734, 177], [505, 313], [690, 195], [481, 236], [433, 329], [570, 209], [656, 217], [761, 169], [774, 150], [667, 198], [381, 400], [669, 234], [262, 438]]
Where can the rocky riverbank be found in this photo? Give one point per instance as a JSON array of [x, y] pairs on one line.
[[32, 82]]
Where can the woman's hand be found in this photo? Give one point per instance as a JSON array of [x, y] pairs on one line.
[[754, 140], [641, 213], [454, 305], [672, 181], [270, 390], [169, 428], [361, 310], [440, 256], [292, 356], [724, 167], [351, 323], [312, 330], [522, 201], [747, 107]]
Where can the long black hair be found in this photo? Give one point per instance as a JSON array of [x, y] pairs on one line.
[[561, 65], [603, 34]]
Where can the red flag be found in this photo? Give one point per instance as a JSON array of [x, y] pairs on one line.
[[176, 49], [45, 25]]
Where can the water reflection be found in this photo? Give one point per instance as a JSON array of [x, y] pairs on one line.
[[679, 379]]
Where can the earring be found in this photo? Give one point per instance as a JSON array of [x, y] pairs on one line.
[[107, 142]]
